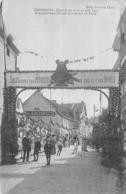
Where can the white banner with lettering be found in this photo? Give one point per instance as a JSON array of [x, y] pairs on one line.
[[64, 79]]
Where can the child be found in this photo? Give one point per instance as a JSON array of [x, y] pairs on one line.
[[48, 148], [59, 144]]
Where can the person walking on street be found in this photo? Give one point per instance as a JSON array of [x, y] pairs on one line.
[[37, 148], [26, 143], [53, 142], [75, 147], [83, 146], [60, 146], [48, 148]]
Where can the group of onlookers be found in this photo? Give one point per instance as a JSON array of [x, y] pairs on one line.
[[49, 147], [83, 142]]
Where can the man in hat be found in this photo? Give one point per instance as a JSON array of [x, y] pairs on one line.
[[26, 144], [36, 148], [47, 149]]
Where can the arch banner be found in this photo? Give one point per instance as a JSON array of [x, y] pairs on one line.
[[63, 79]]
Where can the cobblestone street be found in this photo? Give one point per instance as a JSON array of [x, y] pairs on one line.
[[68, 174]]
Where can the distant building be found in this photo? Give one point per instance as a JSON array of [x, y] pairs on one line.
[[50, 115]]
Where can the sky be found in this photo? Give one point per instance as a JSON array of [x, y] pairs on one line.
[[63, 37]]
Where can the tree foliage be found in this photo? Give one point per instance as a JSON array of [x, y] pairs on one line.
[[107, 135]]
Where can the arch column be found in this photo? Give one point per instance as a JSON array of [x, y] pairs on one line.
[[113, 154], [8, 130]]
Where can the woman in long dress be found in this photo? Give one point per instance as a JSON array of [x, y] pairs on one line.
[[75, 146], [84, 146]]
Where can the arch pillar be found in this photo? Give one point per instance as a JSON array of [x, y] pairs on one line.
[[113, 155], [8, 130]]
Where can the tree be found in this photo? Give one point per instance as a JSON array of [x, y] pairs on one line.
[[107, 135]]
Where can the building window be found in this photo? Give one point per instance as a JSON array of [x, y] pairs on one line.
[[8, 52]]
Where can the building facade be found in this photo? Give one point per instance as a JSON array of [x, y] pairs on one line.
[[8, 59], [49, 115], [119, 46]]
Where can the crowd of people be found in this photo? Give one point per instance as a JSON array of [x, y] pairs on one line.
[[83, 142], [51, 146]]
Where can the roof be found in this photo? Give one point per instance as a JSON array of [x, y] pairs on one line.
[[37, 97], [117, 64], [6, 36], [123, 72], [117, 40], [69, 111], [116, 44], [13, 47], [10, 43], [41, 97], [65, 110]]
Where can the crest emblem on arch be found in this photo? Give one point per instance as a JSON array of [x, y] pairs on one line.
[[62, 77]]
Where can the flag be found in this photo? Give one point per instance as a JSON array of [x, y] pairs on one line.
[[121, 28]]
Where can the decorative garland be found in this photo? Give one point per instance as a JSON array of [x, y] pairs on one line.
[[31, 52], [80, 60], [70, 61], [47, 124], [88, 58]]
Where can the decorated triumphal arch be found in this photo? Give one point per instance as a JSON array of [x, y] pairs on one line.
[[62, 78]]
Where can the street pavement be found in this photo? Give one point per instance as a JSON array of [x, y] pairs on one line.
[[67, 174]]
